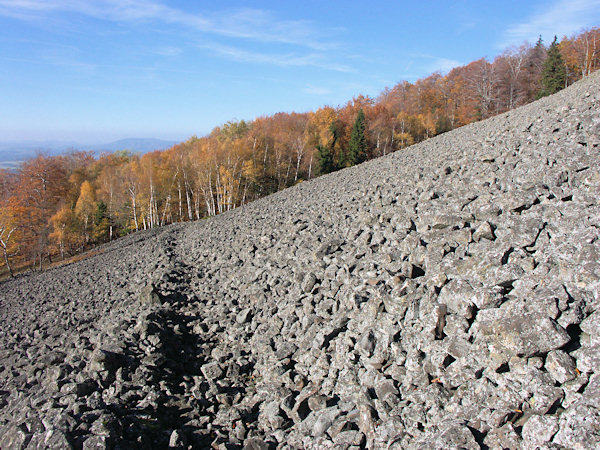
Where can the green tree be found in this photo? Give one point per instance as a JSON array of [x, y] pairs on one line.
[[335, 130], [101, 223], [553, 76], [325, 159], [442, 125], [357, 147]]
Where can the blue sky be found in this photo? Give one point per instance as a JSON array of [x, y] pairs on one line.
[[99, 70]]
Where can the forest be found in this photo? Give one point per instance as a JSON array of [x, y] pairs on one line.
[[54, 207]]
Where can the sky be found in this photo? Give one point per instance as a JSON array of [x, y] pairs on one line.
[[102, 70]]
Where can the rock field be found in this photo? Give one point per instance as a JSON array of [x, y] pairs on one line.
[[445, 296]]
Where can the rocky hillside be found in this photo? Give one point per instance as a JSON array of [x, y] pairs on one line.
[[444, 296]]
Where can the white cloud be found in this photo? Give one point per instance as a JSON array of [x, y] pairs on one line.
[[278, 59], [316, 90], [307, 45], [246, 23], [563, 17], [166, 50], [443, 65], [429, 64]]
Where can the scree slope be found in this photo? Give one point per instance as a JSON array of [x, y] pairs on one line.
[[444, 296]]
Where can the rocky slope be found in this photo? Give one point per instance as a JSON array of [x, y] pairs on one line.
[[444, 296]]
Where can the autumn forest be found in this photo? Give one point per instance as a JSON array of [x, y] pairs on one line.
[[54, 207]]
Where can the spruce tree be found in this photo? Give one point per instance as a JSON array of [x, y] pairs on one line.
[[325, 159], [334, 129], [553, 74], [357, 149]]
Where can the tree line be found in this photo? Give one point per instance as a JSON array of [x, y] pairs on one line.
[[56, 206]]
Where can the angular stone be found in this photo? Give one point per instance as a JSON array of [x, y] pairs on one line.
[[254, 443], [453, 436], [560, 366], [176, 440], [349, 439], [212, 370], [324, 419], [243, 316], [525, 334], [588, 358], [591, 326], [56, 440], [539, 430], [503, 437], [317, 402], [579, 426], [308, 283], [366, 344], [484, 231], [458, 296], [149, 296], [385, 390], [96, 443], [14, 437]]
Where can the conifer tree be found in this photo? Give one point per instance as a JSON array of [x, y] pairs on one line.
[[357, 151], [325, 159], [553, 74], [340, 161]]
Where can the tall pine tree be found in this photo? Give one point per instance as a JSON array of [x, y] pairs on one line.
[[325, 158], [553, 74], [340, 161], [357, 148]]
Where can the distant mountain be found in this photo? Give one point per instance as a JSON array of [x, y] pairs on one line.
[[14, 152]]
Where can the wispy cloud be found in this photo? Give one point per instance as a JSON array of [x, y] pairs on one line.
[[273, 40], [431, 63], [562, 17], [443, 65], [247, 23], [316, 90], [167, 50], [278, 59]]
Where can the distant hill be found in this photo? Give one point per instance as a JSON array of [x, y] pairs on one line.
[[14, 152], [135, 145]]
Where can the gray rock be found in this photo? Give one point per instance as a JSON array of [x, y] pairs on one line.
[[56, 440], [96, 443], [579, 426], [524, 334], [255, 443], [243, 316], [324, 419], [560, 366], [588, 358], [149, 296], [591, 326], [366, 344], [309, 282], [212, 370], [452, 436], [14, 437], [271, 416], [176, 440], [503, 437], [539, 430]]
